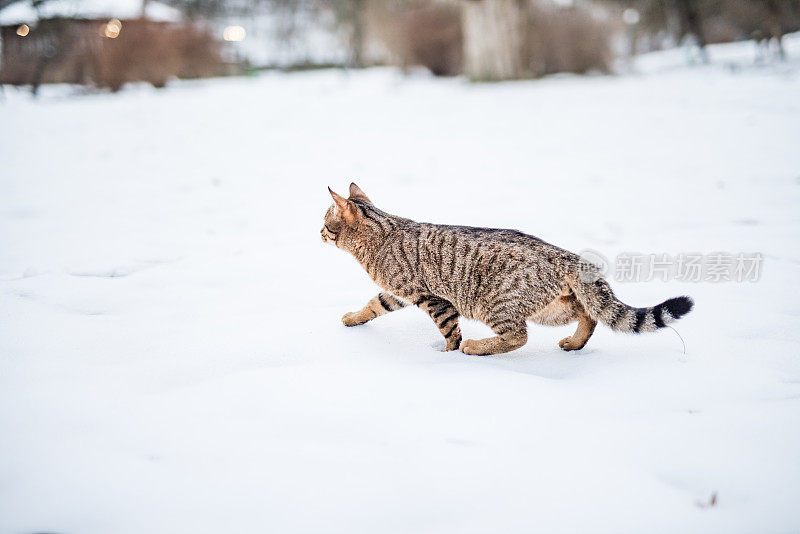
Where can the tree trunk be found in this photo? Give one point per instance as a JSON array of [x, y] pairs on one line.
[[493, 40], [691, 24], [775, 8], [357, 37]]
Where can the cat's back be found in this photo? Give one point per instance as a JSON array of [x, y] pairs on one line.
[[473, 239], [453, 254]]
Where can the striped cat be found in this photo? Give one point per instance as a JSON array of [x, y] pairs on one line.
[[499, 277]]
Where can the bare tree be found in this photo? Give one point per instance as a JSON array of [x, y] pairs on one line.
[[351, 14], [493, 39]]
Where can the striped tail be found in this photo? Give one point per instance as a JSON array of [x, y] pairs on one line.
[[599, 301]]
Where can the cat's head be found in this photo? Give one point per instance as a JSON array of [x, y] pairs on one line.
[[343, 215]]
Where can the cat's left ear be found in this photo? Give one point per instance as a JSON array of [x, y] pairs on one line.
[[343, 208], [357, 194]]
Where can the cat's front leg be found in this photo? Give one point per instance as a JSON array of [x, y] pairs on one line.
[[445, 316], [381, 304]]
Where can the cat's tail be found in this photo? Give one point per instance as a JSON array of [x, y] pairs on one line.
[[599, 301]]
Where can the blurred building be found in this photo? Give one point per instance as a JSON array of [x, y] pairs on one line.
[[105, 43]]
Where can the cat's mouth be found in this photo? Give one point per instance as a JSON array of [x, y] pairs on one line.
[[327, 234]]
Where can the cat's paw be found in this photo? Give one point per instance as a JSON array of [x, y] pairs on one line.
[[352, 319], [473, 347], [452, 345], [570, 344]]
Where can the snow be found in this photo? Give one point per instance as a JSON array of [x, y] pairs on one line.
[[25, 12], [171, 352]]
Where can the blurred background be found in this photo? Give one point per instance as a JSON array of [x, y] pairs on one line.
[[107, 43]]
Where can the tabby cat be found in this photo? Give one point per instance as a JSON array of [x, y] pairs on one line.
[[499, 277]]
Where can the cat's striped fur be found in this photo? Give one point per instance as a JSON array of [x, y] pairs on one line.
[[500, 277]]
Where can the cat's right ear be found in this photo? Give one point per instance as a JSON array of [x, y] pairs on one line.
[[343, 208]]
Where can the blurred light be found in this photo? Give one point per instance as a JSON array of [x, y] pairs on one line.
[[630, 16], [112, 28], [23, 30], [234, 33]]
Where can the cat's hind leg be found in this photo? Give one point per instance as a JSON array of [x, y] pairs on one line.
[[381, 304], [581, 336], [512, 333], [566, 309], [573, 308]]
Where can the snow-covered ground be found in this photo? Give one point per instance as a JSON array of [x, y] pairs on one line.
[[171, 352]]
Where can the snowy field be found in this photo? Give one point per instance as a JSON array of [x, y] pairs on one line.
[[171, 352]]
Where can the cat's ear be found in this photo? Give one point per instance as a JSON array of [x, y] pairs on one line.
[[343, 208], [357, 194]]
